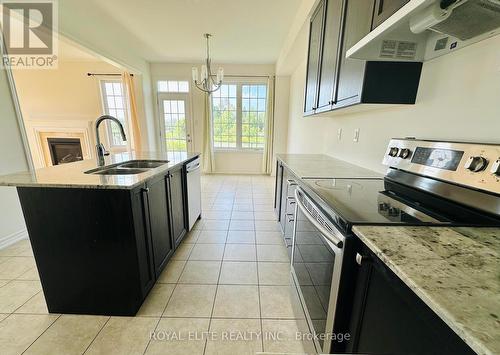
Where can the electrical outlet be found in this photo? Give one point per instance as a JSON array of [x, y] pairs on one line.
[[356, 135], [339, 134]]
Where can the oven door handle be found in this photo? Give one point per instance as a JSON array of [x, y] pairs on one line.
[[329, 235]]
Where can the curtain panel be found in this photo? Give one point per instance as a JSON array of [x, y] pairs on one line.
[[129, 86]]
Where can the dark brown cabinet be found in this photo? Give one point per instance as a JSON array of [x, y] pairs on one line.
[[177, 205], [330, 54], [315, 40], [385, 9], [159, 223], [100, 251], [388, 318], [356, 26], [286, 182], [335, 81], [140, 213], [277, 189]]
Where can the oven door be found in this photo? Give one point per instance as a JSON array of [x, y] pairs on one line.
[[316, 267]]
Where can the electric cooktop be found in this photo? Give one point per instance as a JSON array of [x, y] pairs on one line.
[[378, 201]]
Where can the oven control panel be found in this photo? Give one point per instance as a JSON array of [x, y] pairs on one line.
[[469, 164]]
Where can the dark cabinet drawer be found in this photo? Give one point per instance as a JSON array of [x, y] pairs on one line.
[[385, 9]]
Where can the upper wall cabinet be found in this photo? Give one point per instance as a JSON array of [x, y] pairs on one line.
[[315, 33], [385, 9], [335, 81]]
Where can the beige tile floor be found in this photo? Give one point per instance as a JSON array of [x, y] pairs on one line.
[[225, 291]]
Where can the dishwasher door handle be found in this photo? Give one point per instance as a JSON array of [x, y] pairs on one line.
[[191, 169]]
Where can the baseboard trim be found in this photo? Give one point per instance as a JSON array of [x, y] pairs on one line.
[[13, 238]]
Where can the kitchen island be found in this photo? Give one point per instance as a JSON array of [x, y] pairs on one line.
[[100, 240]]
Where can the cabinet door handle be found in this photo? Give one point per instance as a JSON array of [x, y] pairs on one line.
[[360, 258], [145, 189], [291, 182], [291, 200], [290, 217]]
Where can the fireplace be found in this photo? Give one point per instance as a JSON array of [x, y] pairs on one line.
[[65, 150]]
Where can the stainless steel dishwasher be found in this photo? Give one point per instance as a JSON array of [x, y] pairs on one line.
[[193, 191]]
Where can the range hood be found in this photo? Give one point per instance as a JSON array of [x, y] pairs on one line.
[[425, 29]]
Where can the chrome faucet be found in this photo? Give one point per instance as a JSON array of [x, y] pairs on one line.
[[100, 150]]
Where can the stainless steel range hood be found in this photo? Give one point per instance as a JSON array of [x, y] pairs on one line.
[[425, 29]]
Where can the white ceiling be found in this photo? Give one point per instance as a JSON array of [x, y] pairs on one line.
[[245, 31]]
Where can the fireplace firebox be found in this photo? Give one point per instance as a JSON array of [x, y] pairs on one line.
[[65, 150]]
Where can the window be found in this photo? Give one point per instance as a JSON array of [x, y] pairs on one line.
[[224, 113], [114, 104], [239, 116], [173, 86]]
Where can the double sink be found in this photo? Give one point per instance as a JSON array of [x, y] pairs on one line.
[[130, 167]]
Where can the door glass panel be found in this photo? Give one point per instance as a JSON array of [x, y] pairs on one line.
[[174, 115]]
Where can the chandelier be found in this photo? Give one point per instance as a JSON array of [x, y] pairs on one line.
[[207, 83]]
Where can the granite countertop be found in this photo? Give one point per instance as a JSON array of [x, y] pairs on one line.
[[72, 175], [455, 271], [324, 166]]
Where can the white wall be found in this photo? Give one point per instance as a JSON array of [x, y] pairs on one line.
[[281, 113], [12, 159], [86, 24], [66, 93], [458, 99], [225, 162], [64, 96]]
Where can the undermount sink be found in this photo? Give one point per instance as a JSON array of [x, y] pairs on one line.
[[131, 167], [118, 171], [143, 164]]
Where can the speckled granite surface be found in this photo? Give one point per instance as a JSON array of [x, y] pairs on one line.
[[323, 166], [73, 175], [455, 271]]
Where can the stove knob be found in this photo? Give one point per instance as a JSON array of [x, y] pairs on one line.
[[495, 169], [476, 164], [404, 153], [394, 151]]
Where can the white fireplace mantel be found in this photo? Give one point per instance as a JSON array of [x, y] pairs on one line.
[[38, 130]]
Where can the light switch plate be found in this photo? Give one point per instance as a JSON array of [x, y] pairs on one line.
[[339, 134], [356, 135]]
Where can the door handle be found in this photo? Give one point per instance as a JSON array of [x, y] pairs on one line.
[[145, 189], [290, 217]]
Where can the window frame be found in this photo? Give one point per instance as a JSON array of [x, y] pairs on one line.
[[239, 114], [105, 111]]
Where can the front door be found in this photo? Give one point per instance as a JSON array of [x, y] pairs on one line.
[[175, 121]]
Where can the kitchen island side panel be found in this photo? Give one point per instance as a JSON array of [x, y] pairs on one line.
[[85, 249]]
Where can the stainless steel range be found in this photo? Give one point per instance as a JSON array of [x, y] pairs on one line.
[[427, 183]]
